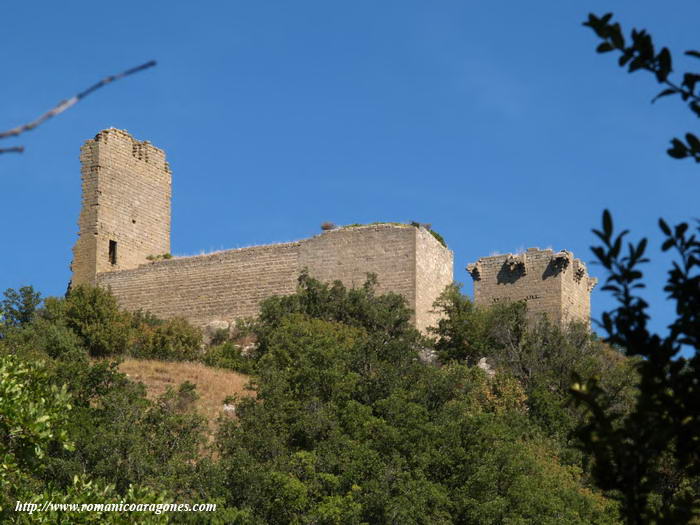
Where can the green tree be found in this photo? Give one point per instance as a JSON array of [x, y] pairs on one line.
[[33, 415], [94, 315], [18, 307], [543, 358], [349, 426], [462, 331], [86, 491]]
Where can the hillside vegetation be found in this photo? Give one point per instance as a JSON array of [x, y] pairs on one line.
[[214, 386], [347, 422]]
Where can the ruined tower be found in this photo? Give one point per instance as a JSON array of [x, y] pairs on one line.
[[125, 212], [553, 284]]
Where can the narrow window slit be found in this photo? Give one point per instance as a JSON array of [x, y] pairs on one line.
[[113, 252]]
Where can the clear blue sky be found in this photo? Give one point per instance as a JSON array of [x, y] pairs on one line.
[[495, 122]]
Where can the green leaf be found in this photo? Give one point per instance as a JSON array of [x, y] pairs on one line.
[[681, 229], [641, 248], [599, 253], [637, 63], [691, 53], [665, 64], [693, 141], [615, 251], [695, 108], [678, 150], [607, 223], [616, 36], [664, 93], [604, 47], [689, 80]]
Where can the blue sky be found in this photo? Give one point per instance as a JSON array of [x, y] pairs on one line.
[[497, 123]]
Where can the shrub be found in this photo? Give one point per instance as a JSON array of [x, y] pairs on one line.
[[93, 314], [170, 340], [34, 415], [429, 227], [229, 355]]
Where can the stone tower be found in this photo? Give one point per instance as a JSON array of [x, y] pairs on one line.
[[125, 212], [554, 284]]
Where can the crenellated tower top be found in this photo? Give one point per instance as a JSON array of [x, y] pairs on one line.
[[553, 284]]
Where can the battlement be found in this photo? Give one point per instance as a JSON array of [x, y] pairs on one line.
[[122, 141], [553, 284]]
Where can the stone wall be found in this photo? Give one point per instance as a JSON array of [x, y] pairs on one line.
[[226, 285], [231, 284], [434, 266], [552, 284], [125, 213]]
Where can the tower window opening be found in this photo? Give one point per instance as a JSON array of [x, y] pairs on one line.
[[112, 252]]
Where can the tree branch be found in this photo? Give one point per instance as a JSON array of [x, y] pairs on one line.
[[66, 104], [13, 149]]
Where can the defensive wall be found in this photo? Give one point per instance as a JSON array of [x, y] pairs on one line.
[[229, 285]]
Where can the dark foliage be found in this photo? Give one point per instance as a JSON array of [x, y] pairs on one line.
[[634, 452], [649, 457], [639, 54]]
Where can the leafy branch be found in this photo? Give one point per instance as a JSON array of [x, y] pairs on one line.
[[666, 420], [640, 54]]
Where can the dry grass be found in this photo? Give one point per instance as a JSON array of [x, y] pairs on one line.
[[213, 384]]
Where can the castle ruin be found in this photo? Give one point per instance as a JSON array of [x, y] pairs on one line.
[[124, 245], [555, 285]]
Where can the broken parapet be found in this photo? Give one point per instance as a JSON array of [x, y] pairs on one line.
[[555, 285]]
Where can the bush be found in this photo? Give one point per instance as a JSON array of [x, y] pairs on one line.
[[386, 315], [93, 314], [229, 355], [170, 340], [34, 415]]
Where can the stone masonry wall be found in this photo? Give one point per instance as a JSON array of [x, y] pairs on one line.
[[576, 291], [554, 285], [221, 286], [231, 284], [126, 200], [349, 254], [434, 267]]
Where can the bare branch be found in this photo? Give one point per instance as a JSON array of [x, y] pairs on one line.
[[65, 104], [13, 149]]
